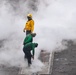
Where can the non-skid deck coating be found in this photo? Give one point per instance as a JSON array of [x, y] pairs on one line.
[[64, 62]]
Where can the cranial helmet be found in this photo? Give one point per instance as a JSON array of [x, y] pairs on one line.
[[29, 15]]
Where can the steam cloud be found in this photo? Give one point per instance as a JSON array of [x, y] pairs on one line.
[[54, 21]]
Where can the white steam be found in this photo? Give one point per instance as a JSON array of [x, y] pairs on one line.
[[54, 21]]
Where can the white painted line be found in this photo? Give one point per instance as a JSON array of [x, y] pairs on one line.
[[50, 62]]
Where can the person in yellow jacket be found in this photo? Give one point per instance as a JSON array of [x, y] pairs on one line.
[[29, 26]]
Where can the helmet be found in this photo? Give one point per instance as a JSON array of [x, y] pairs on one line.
[[29, 15], [33, 34], [36, 44]]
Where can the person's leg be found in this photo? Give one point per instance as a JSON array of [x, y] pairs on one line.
[[29, 58], [25, 56], [25, 53], [28, 32]]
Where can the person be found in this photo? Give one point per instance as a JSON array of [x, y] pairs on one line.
[[29, 38], [29, 26], [27, 51]]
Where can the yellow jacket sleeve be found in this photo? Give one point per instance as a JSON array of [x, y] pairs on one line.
[[32, 25]]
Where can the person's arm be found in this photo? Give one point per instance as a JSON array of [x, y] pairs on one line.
[[32, 25], [33, 49], [24, 42], [24, 29]]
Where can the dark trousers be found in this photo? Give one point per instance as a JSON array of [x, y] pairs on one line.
[[27, 55], [28, 32]]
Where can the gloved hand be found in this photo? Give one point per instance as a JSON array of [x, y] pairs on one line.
[[23, 30], [32, 57]]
